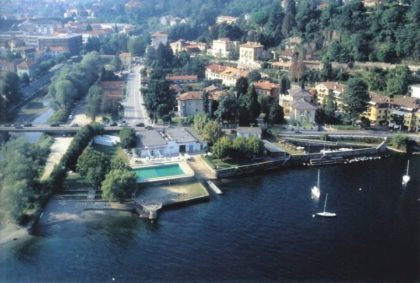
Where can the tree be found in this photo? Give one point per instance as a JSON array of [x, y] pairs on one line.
[[329, 107], [206, 102], [355, 98], [118, 185], [289, 20], [254, 76], [93, 101], [127, 137], [241, 86], [252, 105], [65, 93], [9, 88], [93, 44], [376, 79], [327, 72], [276, 115], [116, 62], [284, 84], [221, 147], [25, 79], [211, 132], [398, 81], [136, 46], [226, 111], [93, 166], [200, 120]]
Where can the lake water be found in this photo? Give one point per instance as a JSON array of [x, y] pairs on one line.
[[260, 229]]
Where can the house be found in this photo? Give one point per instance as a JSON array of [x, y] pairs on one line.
[[191, 47], [414, 90], [298, 105], [182, 79], [323, 89], [125, 58], [40, 26], [158, 38], [250, 53], [378, 108], [226, 20], [283, 65], [191, 103], [371, 3], [267, 88], [26, 67], [248, 132], [223, 48], [397, 111], [228, 75], [404, 108], [168, 142]]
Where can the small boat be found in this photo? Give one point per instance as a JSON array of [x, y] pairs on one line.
[[406, 177], [325, 213], [315, 189]]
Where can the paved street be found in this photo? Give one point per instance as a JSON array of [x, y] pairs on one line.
[[134, 109]]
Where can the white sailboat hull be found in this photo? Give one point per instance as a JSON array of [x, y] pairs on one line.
[[405, 179], [315, 192], [326, 214]]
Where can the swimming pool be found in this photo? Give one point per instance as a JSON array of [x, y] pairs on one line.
[[160, 172]]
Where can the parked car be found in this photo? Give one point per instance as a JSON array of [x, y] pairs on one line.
[[27, 125], [55, 125], [140, 125], [113, 124]]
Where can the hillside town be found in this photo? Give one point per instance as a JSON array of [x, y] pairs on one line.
[[141, 106]]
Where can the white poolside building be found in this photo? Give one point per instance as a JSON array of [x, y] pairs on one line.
[[168, 142]]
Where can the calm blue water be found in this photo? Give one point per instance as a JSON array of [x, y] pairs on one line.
[[261, 229]]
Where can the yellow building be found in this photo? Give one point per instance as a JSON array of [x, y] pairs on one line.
[[397, 111], [378, 108]]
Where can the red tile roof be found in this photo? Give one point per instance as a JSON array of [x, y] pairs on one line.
[[191, 95], [182, 78]]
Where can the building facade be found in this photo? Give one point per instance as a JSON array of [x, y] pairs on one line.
[[227, 75]]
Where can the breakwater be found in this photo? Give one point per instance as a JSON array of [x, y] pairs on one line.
[[301, 160]]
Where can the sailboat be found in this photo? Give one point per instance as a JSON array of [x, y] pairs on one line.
[[406, 177], [315, 189], [325, 213]]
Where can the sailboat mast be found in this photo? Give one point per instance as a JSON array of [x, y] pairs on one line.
[[318, 182], [325, 204], [408, 165]]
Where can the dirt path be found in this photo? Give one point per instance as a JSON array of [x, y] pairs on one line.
[[58, 148]]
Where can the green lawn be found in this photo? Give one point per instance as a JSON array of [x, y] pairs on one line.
[[216, 163], [111, 151], [75, 181]]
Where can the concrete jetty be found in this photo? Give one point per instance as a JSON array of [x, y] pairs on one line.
[[214, 187]]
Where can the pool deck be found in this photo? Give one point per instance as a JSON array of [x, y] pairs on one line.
[[170, 195]]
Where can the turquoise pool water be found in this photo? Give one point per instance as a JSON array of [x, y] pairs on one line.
[[160, 171]]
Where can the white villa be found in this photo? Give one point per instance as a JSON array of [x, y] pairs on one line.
[[298, 105], [168, 142]]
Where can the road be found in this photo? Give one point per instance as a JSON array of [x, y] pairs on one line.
[[134, 110]]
